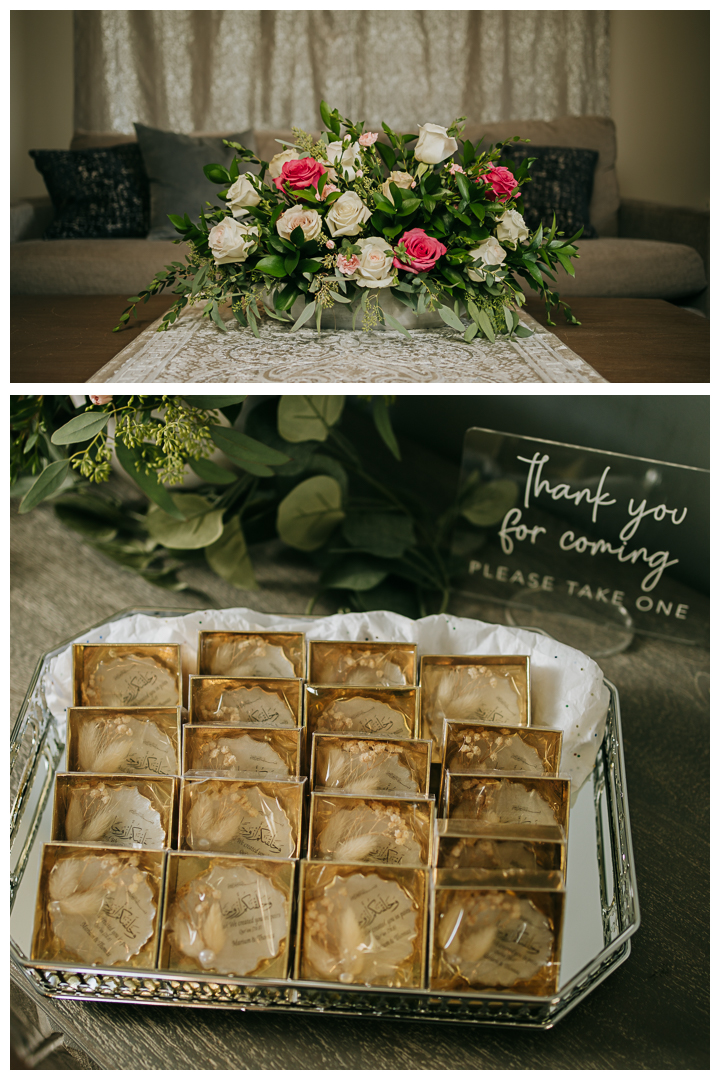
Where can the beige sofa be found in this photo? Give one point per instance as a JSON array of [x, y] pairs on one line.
[[643, 249]]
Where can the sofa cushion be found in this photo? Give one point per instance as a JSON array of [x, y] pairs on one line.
[[82, 267], [642, 269], [591, 132], [95, 192], [561, 183], [174, 164]]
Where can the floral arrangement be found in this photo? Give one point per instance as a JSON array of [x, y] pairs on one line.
[[354, 217], [214, 478]]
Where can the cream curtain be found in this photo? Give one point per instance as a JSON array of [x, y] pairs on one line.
[[221, 70]]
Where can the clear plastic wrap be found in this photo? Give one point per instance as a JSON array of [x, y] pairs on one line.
[[135, 741], [242, 817], [251, 753], [362, 663], [362, 925], [110, 810], [490, 689], [127, 675], [484, 748], [362, 765], [463, 843], [371, 711], [262, 654], [229, 915], [494, 935], [509, 799], [393, 832], [98, 906], [268, 702]]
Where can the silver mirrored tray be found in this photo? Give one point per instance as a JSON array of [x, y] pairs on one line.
[[601, 914]]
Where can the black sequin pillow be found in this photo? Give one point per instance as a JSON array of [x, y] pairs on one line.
[[101, 192], [561, 183]]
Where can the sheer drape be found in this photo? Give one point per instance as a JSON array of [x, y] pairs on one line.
[[221, 70]]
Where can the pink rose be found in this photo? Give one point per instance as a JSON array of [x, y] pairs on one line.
[[348, 266], [368, 138], [330, 244], [423, 251], [501, 180], [100, 399], [328, 190], [456, 168], [303, 173]]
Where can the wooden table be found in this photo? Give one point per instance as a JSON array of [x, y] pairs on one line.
[[68, 338], [652, 1013]]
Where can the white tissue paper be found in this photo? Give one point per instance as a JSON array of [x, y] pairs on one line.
[[566, 687]]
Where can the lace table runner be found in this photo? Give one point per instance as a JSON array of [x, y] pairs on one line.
[[195, 350]]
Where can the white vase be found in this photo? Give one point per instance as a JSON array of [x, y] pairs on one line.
[[340, 317]]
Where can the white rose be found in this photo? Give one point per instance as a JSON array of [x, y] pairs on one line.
[[512, 228], [434, 144], [400, 179], [347, 215], [275, 166], [491, 254], [242, 193], [309, 221], [232, 242], [376, 264], [346, 158]]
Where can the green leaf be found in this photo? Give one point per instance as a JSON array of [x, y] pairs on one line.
[[214, 401], [80, 428], [471, 331], [48, 482], [387, 535], [217, 174], [522, 331], [482, 320], [309, 514], [272, 264], [387, 154], [508, 318], [242, 448], [354, 572], [487, 504], [229, 558], [448, 316], [396, 325], [147, 482], [463, 186], [304, 316], [211, 472], [202, 525], [308, 416], [381, 416]]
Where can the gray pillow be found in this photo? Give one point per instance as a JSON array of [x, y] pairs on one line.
[[174, 165]]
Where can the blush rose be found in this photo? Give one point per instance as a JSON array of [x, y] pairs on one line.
[[422, 251]]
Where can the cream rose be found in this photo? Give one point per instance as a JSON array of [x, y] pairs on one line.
[[275, 166], [401, 179], [346, 159], [491, 254], [309, 221], [242, 193], [347, 215], [375, 266], [434, 144], [231, 242], [511, 228]]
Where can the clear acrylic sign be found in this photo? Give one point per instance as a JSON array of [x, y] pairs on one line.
[[602, 536]]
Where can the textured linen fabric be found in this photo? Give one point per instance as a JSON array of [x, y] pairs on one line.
[[174, 164], [95, 192], [561, 181]]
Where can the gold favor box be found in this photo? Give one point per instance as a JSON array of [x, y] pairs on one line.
[[391, 832], [481, 748], [362, 925], [98, 906], [496, 932], [347, 710], [364, 765], [242, 753], [243, 817], [131, 740], [227, 915], [123, 675], [464, 843], [362, 663], [508, 798], [214, 699], [118, 810], [488, 689], [262, 654]]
